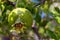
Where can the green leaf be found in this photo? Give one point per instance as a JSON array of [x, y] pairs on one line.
[[1, 19], [57, 19], [45, 7], [41, 30], [52, 34], [57, 9], [38, 18], [13, 0], [57, 30], [20, 3]]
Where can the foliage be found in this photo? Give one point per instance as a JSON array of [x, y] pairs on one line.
[[26, 12]]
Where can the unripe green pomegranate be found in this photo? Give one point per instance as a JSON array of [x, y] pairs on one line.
[[20, 15]]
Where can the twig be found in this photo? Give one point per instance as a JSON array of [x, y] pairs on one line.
[[42, 2], [35, 30]]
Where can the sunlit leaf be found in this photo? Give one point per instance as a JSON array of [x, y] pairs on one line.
[[54, 8], [41, 30], [57, 19], [13, 0]]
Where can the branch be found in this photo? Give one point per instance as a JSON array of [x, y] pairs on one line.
[[11, 3], [42, 2], [35, 30]]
